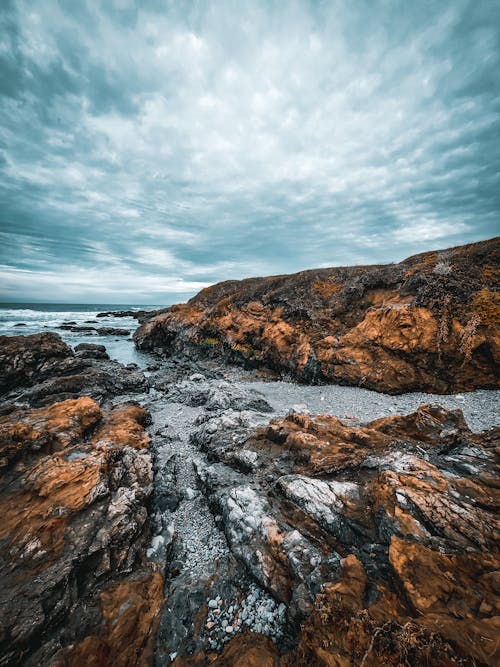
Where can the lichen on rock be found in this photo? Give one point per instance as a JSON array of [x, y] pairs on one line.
[[394, 328]]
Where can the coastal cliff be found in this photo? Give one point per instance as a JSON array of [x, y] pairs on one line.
[[429, 323]]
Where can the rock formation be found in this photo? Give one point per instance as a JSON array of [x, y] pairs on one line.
[[219, 522], [77, 588], [381, 540], [429, 323], [41, 368], [25, 360]]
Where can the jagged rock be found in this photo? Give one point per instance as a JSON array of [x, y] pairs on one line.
[[140, 315], [221, 436], [381, 539], [214, 396], [325, 501], [91, 351], [392, 328], [130, 614], [76, 586], [25, 360], [112, 331], [246, 650], [41, 369], [102, 331]]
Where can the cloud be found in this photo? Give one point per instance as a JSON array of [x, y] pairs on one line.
[[177, 144]]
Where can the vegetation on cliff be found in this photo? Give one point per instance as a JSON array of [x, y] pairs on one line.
[[429, 323]]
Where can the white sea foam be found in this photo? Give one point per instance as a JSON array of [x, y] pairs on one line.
[[49, 318]]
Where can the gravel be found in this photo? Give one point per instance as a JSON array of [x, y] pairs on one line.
[[198, 539], [190, 525], [480, 408]]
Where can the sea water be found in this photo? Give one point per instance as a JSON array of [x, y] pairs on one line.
[[39, 317]]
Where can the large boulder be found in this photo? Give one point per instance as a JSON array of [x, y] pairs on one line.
[[40, 369], [25, 360]]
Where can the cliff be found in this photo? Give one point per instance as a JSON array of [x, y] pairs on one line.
[[429, 323]]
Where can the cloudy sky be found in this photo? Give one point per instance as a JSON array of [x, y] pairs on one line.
[[152, 147]]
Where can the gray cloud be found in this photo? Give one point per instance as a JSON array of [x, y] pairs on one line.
[[151, 148]]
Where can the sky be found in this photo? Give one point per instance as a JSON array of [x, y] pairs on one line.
[[150, 148]]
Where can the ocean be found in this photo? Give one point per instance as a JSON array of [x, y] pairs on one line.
[[39, 317]]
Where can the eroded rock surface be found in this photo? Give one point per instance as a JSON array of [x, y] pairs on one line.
[[75, 484], [39, 369], [380, 540], [428, 323], [224, 538], [25, 360]]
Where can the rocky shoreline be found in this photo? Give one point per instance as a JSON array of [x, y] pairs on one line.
[[195, 512], [198, 513]]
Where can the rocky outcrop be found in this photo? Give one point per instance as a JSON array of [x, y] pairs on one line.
[[140, 315], [91, 331], [380, 540], [40, 369], [428, 323], [77, 588], [25, 360], [91, 351]]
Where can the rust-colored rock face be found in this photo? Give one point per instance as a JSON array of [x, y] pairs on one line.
[[382, 539], [429, 323], [76, 587]]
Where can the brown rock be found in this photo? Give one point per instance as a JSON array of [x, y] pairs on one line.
[[394, 328], [76, 588], [408, 506], [452, 595], [244, 650], [131, 613]]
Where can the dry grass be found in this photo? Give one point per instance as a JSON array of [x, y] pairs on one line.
[[467, 336], [369, 644], [444, 325], [486, 304], [326, 289]]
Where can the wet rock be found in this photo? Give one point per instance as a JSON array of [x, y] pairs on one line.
[[41, 369], [112, 331], [25, 360], [91, 351], [138, 314], [102, 331]]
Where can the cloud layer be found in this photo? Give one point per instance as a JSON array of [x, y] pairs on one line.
[[150, 148]]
